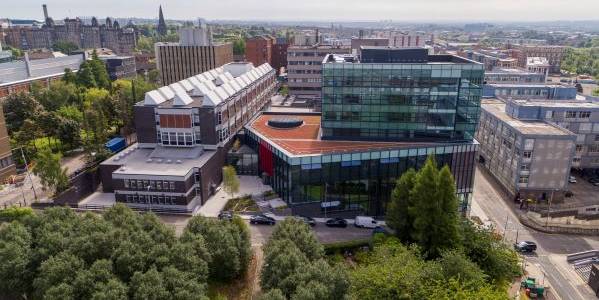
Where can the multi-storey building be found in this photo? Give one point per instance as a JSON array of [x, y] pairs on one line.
[[407, 40], [554, 55], [529, 158], [258, 49], [356, 44], [177, 61], [279, 53], [578, 116], [514, 76], [304, 68], [538, 65], [381, 116], [184, 131], [529, 90], [491, 59], [108, 35]]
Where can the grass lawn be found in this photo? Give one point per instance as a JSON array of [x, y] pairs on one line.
[[242, 204]]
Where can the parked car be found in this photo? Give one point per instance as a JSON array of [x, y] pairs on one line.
[[593, 180], [309, 221], [336, 222], [572, 179], [365, 222], [225, 215], [525, 246], [262, 219], [380, 229]]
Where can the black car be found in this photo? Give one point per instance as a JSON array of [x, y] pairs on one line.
[[525, 246], [262, 219], [225, 215], [309, 221], [336, 222]]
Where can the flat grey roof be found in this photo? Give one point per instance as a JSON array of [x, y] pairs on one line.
[[558, 103], [12, 72], [497, 109], [159, 161]]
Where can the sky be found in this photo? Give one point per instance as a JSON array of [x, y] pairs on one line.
[[314, 10]]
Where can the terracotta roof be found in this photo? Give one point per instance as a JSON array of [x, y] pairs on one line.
[[305, 139]]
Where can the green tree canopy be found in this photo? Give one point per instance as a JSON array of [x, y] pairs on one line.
[[230, 180], [52, 175]]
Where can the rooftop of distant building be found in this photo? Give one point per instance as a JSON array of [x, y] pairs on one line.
[[496, 107], [305, 140], [556, 103]]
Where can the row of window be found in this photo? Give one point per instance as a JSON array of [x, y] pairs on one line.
[[152, 185], [153, 199], [179, 138], [578, 114], [5, 162]]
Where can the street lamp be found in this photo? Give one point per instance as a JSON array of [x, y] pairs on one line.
[[149, 196], [549, 209]]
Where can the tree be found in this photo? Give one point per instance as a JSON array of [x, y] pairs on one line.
[[99, 70], [69, 76], [15, 255], [435, 224], [273, 294], [58, 95], [230, 180], [239, 46], [69, 132], [85, 75], [19, 107], [398, 215], [65, 47], [301, 235], [282, 260], [49, 169], [227, 243]]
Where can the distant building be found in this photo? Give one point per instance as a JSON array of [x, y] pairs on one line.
[[279, 54], [407, 40], [17, 76], [554, 54], [108, 35], [306, 38], [492, 59], [258, 49], [529, 90], [580, 117], [538, 65], [185, 131], [161, 28], [120, 66], [356, 43], [176, 61], [528, 157], [514, 76], [304, 69]]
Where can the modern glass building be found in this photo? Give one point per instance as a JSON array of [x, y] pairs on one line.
[[435, 98], [381, 116]]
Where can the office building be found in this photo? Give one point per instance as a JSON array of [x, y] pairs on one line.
[[514, 76], [529, 158], [357, 43], [258, 49], [304, 68], [379, 119], [184, 132], [581, 117], [555, 91], [492, 59], [407, 40], [18, 76], [554, 54], [109, 35], [177, 61]]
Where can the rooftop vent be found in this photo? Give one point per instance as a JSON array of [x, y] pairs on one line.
[[168, 161], [179, 161], [285, 123]]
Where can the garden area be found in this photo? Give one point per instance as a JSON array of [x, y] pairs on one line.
[[242, 204]]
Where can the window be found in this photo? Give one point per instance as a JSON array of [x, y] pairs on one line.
[[311, 166], [523, 179], [578, 148], [525, 167], [159, 185], [352, 163], [172, 185], [389, 160], [596, 137], [584, 114], [126, 183], [527, 154], [594, 148], [586, 127], [133, 184], [570, 115]]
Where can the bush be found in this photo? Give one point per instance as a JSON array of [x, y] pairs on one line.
[[15, 213]]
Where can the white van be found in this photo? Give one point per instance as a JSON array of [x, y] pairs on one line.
[[365, 222]]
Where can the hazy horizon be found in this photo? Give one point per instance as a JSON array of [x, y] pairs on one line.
[[316, 10]]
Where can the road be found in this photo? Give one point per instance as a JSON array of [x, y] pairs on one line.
[[552, 248]]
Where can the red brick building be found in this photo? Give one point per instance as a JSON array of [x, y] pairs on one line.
[[258, 49], [279, 54]]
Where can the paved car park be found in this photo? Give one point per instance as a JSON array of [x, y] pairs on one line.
[[584, 192], [325, 234]]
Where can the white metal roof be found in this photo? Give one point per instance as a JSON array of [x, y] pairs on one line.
[[167, 92], [153, 97]]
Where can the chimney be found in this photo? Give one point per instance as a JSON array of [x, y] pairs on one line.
[[45, 13], [27, 64]]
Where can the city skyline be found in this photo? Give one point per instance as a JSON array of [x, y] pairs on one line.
[[398, 11]]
